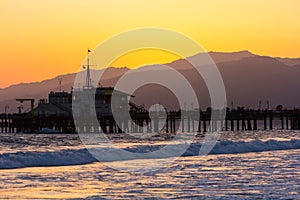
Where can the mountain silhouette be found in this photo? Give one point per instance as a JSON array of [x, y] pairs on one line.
[[248, 79]]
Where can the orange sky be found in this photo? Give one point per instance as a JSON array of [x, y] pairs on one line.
[[42, 39]]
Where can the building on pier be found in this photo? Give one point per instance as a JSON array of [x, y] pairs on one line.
[[60, 103]]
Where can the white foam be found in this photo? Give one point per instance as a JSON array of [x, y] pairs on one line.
[[82, 156]]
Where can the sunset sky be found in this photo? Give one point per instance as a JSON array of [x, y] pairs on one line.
[[42, 39]]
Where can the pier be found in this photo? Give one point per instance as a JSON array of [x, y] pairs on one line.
[[170, 122]]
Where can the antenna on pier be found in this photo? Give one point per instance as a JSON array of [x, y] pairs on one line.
[[59, 82], [88, 74]]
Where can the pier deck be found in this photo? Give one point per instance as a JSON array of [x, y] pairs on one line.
[[174, 121]]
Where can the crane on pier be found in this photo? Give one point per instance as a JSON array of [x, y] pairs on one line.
[[31, 103]]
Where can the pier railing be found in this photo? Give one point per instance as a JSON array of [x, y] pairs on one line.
[[170, 122]]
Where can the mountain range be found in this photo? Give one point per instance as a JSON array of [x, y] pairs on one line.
[[248, 79]]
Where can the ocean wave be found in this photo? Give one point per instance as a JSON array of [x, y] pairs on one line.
[[47, 158], [83, 156]]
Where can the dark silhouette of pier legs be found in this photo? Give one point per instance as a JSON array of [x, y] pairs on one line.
[[255, 124], [271, 121], [249, 124], [204, 126], [265, 122]]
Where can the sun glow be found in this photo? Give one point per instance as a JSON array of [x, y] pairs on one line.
[[42, 39]]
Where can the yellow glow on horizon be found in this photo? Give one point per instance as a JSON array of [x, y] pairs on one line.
[[42, 39], [142, 57]]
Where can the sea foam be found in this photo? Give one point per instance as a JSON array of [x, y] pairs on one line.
[[83, 156]]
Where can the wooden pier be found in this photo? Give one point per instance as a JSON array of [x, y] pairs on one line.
[[173, 121]]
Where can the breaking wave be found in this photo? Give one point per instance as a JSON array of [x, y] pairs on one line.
[[82, 156]]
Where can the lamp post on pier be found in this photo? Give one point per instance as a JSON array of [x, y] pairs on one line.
[[6, 108]]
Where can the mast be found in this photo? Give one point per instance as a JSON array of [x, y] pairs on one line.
[[88, 75], [59, 82]]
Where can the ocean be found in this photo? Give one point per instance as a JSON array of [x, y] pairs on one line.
[[242, 165]]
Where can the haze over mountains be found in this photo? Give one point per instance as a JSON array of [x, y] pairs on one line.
[[248, 79]]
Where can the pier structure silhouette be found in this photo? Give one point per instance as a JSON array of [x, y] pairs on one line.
[[170, 122]]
